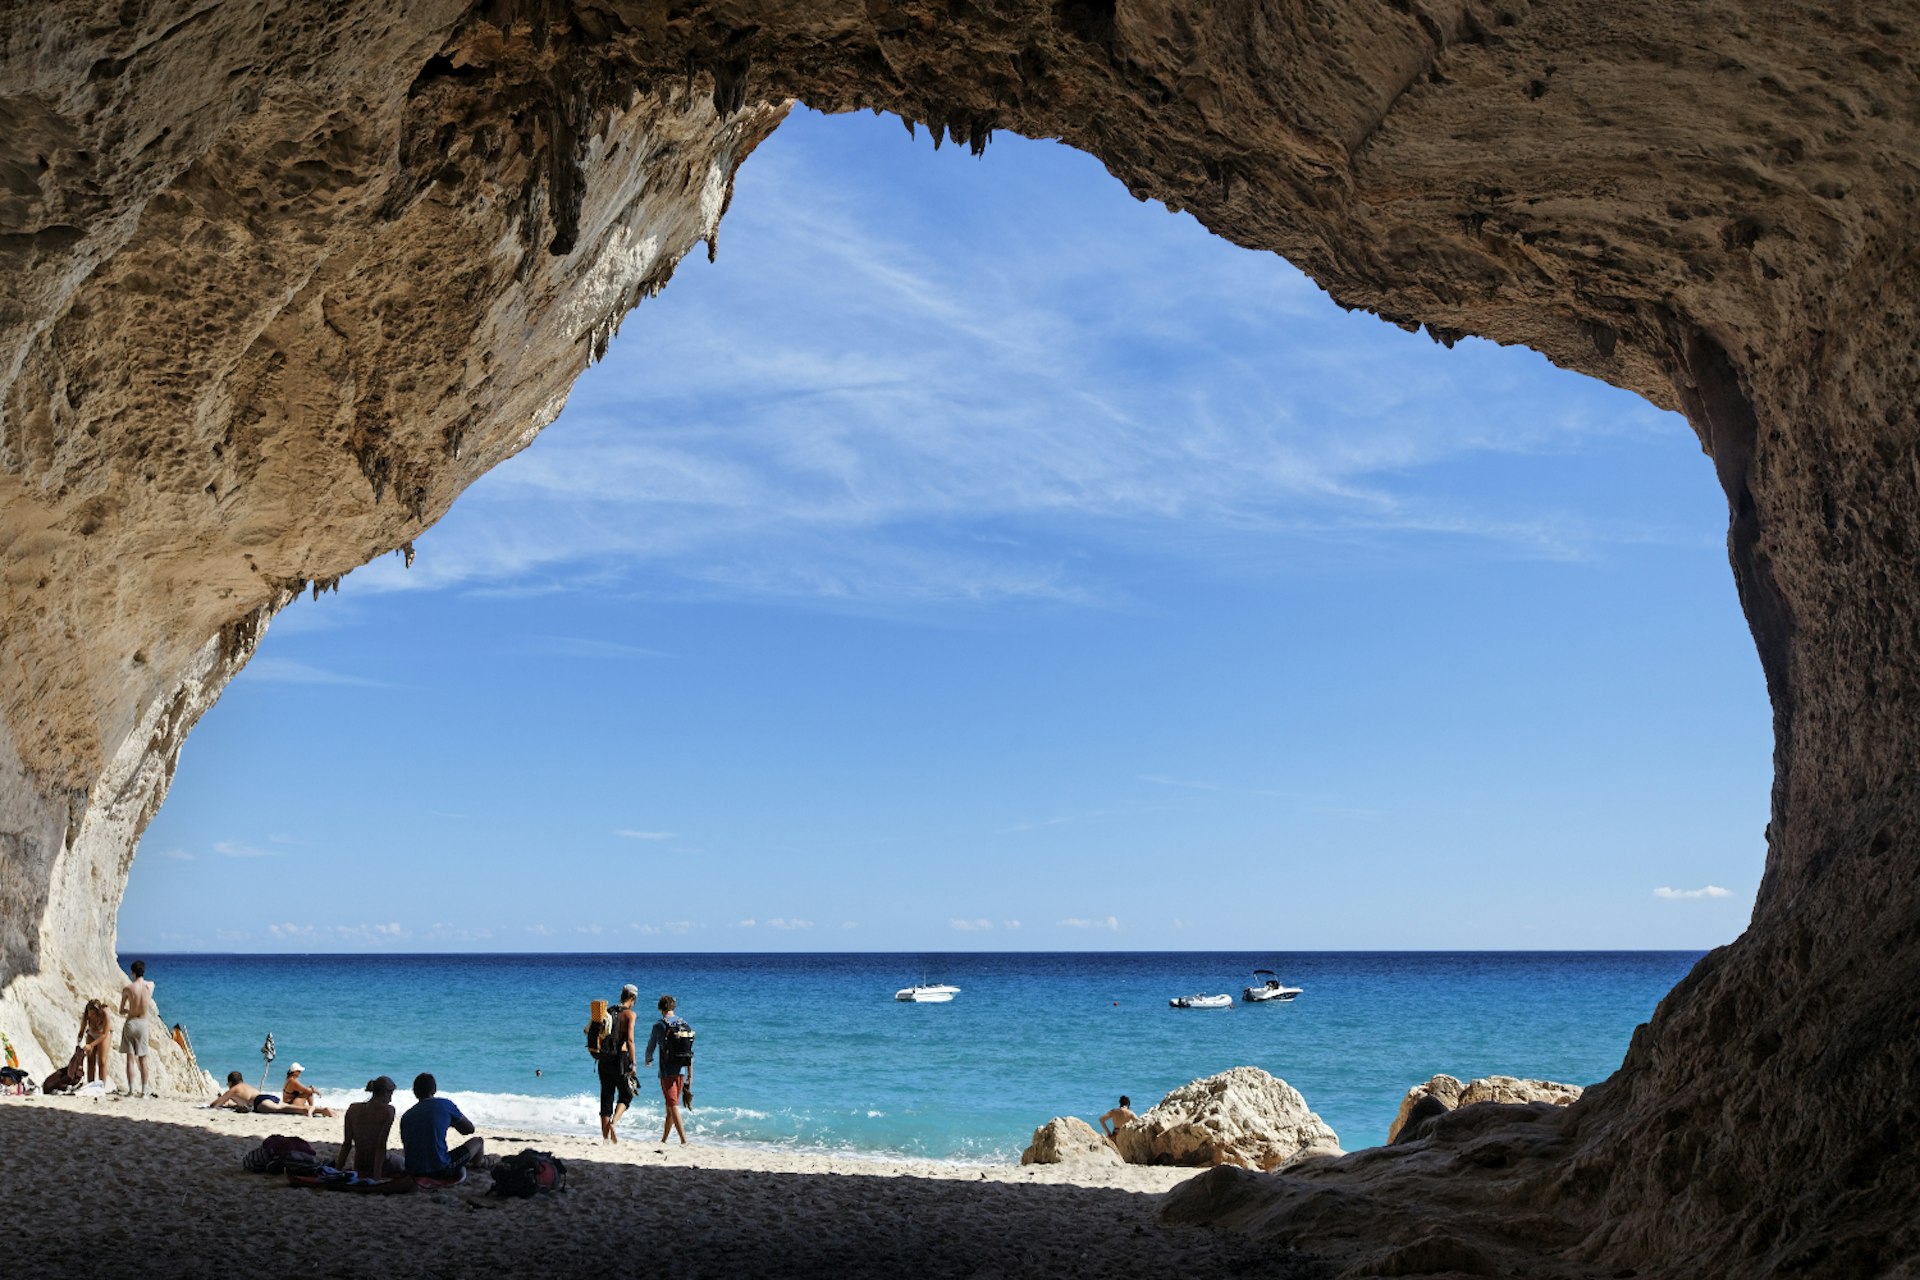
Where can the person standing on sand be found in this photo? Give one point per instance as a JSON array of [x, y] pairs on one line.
[[1118, 1118], [136, 1001], [369, 1126], [671, 1080], [423, 1133], [617, 1075], [96, 1035]]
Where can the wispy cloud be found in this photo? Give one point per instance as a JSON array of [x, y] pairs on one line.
[[1075, 922], [288, 671], [943, 432], [628, 834], [970, 926], [291, 930], [745, 924], [235, 849], [585, 647], [778, 923], [177, 855], [1705, 891]]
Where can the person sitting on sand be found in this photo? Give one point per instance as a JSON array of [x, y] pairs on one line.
[[296, 1090], [423, 1133], [369, 1125], [241, 1096], [1118, 1118]]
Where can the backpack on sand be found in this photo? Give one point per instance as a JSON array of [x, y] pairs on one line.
[[529, 1173]]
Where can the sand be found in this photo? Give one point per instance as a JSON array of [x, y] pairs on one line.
[[153, 1187]]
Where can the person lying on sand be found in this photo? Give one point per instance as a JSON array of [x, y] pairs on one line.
[[369, 1124], [241, 1096]]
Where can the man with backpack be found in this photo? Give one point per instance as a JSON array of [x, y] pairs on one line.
[[674, 1040], [617, 1076]]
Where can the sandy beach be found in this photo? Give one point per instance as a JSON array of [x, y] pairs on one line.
[[153, 1187]]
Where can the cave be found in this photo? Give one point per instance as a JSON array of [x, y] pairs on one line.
[[281, 281]]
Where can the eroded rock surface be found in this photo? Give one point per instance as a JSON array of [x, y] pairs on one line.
[[1443, 1093], [277, 282], [1242, 1117], [1067, 1139]]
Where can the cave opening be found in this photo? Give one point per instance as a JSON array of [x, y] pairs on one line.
[[971, 514]]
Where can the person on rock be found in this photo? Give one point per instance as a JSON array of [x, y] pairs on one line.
[[136, 1002], [423, 1133], [1118, 1118]]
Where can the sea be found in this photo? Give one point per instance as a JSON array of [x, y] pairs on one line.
[[811, 1052]]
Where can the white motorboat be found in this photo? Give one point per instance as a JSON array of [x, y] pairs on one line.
[[1222, 1001], [934, 994], [1271, 989]]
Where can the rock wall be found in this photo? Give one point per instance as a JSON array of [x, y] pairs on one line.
[[278, 281]]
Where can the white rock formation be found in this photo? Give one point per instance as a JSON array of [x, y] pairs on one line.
[[1241, 1117], [1069, 1139]]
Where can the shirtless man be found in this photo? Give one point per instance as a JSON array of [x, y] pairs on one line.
[[136, 1002], [1118, 1118], [241, 1096], [369, 1125]]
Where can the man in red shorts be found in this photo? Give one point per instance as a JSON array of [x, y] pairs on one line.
[[672, 1081]]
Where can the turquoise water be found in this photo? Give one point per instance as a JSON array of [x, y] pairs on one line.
[[813, 1052]]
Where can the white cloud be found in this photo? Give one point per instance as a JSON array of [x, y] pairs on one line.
[[234, 849], [1705, 891], [970, 926], [1010, 924], [778, 923], [178, 855], [290, 930], [539, 931], [1205, 396], [848, 924], [1075, 922], [585, 647], [626, 834], [744, 924], [288, 671]]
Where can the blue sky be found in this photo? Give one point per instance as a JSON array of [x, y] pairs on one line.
[[975, 557]]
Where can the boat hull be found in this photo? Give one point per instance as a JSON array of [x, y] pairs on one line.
[[1201, 1002], [926, 995]]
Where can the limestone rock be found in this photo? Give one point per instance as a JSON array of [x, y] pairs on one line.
[[1242, 1117], [1443, 1093], [277, 283], [1065, 1139]]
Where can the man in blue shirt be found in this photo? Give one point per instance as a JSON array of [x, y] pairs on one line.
[[423, 1133]]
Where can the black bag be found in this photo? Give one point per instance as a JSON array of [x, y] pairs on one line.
[[599, 1036], [525, 1175], [676, 1046]]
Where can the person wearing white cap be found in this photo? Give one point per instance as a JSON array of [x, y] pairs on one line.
[[296, 1090], [617, 1079]]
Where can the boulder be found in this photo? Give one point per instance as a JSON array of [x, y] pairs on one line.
[[1425, 1103], [1067, 1140], [1241, 1117]]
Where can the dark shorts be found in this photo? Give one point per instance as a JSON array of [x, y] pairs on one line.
[[266, 1097], [614, 1085], [670, 1088]]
